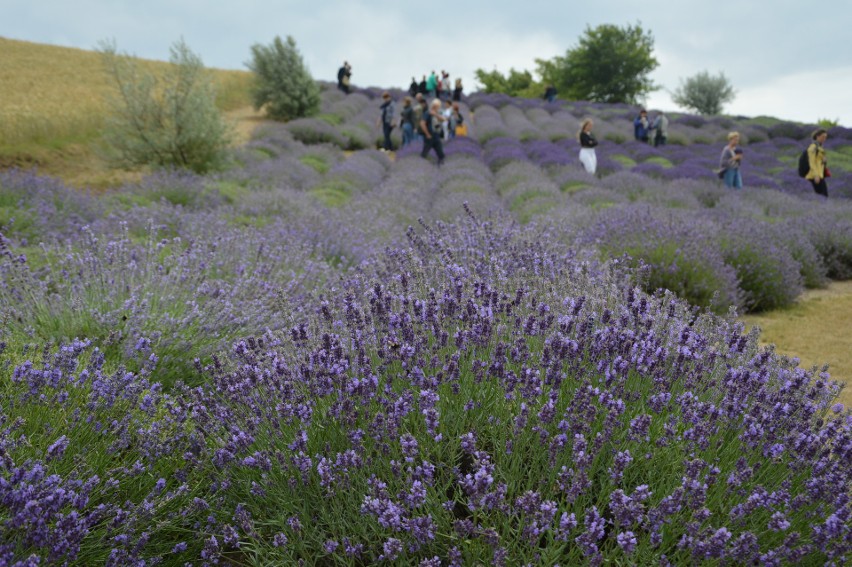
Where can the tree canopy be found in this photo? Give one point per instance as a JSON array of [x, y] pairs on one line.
[[515, 83], [610, 64], [704, 93], [283, 86]]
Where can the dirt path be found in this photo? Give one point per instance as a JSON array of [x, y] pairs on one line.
[[245, 121], [818, 329]]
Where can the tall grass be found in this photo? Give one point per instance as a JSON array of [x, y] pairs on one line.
[[54, 96]]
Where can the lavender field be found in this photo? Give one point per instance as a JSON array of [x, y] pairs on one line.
[[328, 355]]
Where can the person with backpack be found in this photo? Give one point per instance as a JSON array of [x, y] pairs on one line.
[[386, 120], [729, 163], [817, 167]]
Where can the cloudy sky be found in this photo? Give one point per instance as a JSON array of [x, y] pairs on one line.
[[786, 58]]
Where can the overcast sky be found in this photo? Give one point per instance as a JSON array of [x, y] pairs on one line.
[[786, 58]]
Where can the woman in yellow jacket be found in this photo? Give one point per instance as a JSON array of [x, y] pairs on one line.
[[816, 159]]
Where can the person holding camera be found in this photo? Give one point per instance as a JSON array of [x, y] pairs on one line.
[[729, 163]]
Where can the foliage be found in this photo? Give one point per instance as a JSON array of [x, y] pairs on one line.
[[828, 123], [610, 64], [515, 83], [283, 86], [168, 119], [704, 93]]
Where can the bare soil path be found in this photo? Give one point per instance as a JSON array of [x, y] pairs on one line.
[[818, 329]]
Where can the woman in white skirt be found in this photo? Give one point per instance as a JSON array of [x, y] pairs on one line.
[[587, 146]]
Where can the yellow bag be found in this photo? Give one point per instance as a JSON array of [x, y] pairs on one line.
[[461, 130]]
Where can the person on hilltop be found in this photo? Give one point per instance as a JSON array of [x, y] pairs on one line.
[[386, 119], [432, 127], [421, 86], [432, 85], [660, 128], [640, 126], [446, 86], [406, 121], [413, 89], [343, 75], [730, 161], [588, 157], [457, 91], [818, 168]]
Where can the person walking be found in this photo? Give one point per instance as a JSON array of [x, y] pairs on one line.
[[588, 157], [730, 162], [818, 168], [640, 127], [386, 120], [407, 121], [431, 126], [661, 129]]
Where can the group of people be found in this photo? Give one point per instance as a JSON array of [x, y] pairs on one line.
[[437, 86], [433, 122], [441, 120], [817, 170], [654, 132]]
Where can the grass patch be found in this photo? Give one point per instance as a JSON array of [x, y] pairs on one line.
[[315, 162], [332, 194], [816, 329], [571, 187], [661, 161], [624, 160]]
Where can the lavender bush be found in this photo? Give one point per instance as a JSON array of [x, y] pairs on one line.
[[363, 358]]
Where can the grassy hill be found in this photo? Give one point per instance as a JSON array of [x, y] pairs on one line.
[[53, 105]]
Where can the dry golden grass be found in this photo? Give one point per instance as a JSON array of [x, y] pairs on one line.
[[818, 329], [53, 101]]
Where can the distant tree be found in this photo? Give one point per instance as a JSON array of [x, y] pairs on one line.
[[704, 93], [610, 64], [516, 83], [283, 85], [165, 119]]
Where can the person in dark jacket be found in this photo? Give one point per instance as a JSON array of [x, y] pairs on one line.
[[640, 126], [413, 88], [588, 157], [457, 91], [386, 120], [550, 93], [343, 75], [432, 127]]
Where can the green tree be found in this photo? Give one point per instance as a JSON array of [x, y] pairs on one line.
[[610, 64], [283, 85], [516, 83], [704, 93], [166, 119]]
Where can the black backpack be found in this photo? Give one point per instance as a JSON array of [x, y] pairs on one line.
[[804, 163]]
